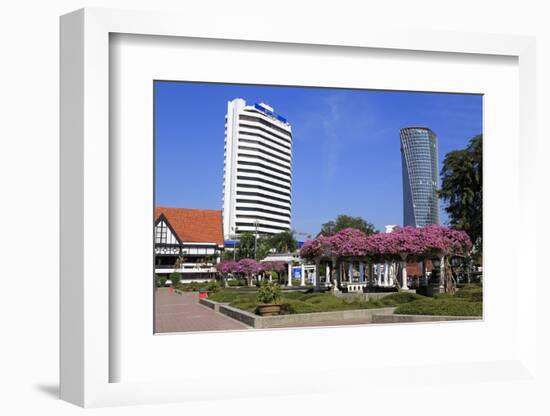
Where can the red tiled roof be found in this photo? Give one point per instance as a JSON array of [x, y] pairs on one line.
[[195, 225]]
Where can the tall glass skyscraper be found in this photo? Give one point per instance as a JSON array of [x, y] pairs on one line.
[[419, 155]]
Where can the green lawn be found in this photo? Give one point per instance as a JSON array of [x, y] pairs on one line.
[[468, 301], [299, 302]]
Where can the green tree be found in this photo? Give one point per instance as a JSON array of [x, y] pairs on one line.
[[462, 189], [246, 246], [175, 278], [345, 221], [263, 246], [283, 242]]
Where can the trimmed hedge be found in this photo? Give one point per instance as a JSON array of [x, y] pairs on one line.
[[441, 306], [406, 302], [470, 292], [299, 302], [236, 282]]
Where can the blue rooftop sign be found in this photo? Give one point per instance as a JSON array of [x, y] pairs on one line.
[[270, 113]]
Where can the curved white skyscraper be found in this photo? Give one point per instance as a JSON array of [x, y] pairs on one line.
[[419, 156], [257, 170]]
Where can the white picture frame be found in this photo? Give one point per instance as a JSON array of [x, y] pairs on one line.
[[87, 302]]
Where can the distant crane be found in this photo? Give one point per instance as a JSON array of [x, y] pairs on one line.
[[306, 235]]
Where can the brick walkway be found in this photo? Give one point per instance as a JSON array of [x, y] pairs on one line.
[[183, 313]]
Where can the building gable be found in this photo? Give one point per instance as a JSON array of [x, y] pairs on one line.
[[164, 234]]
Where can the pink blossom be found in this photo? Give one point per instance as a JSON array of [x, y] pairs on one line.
[[275, 266], [226, 267], [246, 266], [433, 240]]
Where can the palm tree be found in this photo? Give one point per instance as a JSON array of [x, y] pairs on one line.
[[283, 242]]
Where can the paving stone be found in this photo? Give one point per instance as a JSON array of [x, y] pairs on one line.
[[184, 313]]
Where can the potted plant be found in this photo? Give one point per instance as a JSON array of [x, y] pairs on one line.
[[203, 293], [268, 295]]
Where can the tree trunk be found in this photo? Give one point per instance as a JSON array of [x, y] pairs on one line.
[[449, 279]]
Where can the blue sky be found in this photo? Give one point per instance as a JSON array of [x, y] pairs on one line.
[[346, 157]]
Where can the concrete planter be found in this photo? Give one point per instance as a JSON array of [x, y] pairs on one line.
[[269, 310], [279, 321]]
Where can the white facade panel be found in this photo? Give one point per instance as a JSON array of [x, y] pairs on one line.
[[284, 208], [273, 165], [163, 234], [260, 177], [247, 138], [254, 151], [268, 188]]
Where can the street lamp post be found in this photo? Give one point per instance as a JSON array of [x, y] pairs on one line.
[[255, 238]]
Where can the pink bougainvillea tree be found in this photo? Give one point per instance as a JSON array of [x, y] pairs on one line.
[[433, 241], [349, 242], [273, 266], [321, 246], [226, 267]]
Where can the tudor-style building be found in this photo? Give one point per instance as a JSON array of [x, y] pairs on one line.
[[188, 241]]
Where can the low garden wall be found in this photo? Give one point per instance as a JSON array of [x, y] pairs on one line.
[[278, 321], [239, 315], [211, 304], [398, 319], [317, 317], [374, 316], [363, 296]]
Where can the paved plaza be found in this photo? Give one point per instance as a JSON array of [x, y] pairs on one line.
[[183, 313]]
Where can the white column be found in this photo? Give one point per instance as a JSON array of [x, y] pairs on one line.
[[404, 273], [270, 276], [303, 275], [316, 274], [386, 274], [442, 274], [327, 274], [423, 271], [362, 271], [289, 274], [379, 274], [350, 271], [336, 266]]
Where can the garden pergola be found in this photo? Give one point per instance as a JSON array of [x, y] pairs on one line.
[[352, 246]]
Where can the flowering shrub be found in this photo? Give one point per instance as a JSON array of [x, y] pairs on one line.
[[226, 267], [441, 240], [320, 246], [349, 242], [274, 266], [247, 266]]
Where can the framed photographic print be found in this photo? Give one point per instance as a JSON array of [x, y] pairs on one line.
[[267, 254], [306, 211]]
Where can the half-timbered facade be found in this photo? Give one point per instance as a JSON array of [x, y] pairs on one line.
[[188, 241]]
